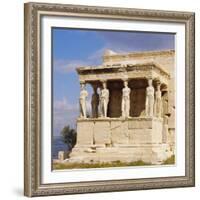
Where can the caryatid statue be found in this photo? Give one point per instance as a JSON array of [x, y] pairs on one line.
[[104, 99], [82, 101], [158, 102], [95, 102], [126, 100], [149, 105]]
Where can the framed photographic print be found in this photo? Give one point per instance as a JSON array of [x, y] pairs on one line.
[[109, 99]]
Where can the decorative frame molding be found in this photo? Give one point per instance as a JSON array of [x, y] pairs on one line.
[[32, 106]]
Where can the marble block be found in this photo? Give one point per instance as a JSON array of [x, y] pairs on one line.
[[119, 132], [102, 133], [85, 132]]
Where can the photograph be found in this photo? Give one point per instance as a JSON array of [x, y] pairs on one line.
[[109, 99], [113, 98], [99, 100]]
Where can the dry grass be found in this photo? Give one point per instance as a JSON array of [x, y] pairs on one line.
[[169, 161], [57, 166], [98, 165]]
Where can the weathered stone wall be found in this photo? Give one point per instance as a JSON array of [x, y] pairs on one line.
[[109, 132], [85, 132], [125, 140]]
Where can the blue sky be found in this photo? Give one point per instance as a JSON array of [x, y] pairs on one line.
[[75, 47]]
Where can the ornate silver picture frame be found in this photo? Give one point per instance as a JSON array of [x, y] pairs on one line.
[[37, 182]]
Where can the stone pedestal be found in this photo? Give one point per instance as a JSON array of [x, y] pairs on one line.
[[118, 139], [62, 155]]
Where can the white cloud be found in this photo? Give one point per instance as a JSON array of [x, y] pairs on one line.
[[63, 105], [64, 113], [97, 55], [66, 66]]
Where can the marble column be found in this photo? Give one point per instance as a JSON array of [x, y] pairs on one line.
[[149, 104], [125, 106], [82, 101]]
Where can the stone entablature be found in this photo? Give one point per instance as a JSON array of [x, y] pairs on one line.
[[112, 72]]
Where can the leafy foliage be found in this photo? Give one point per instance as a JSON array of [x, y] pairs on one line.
[[69, 136]]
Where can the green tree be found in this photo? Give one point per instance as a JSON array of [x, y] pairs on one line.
[[69, 136]]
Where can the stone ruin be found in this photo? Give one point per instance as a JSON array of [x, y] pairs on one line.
[[133, 114]]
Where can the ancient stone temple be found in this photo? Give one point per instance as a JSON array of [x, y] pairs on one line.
[[133, 109]]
